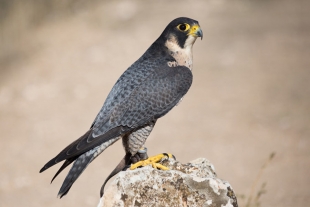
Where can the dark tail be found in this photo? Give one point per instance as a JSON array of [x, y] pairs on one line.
[[121, 166], [65, 155], [80, 165], [64, 165], [76, 170]]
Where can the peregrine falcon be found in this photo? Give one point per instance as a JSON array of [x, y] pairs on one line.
[[145, 92]]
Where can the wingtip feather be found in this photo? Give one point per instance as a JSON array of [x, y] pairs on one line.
[[43, 169]]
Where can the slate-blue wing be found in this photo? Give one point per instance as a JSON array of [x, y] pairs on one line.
[[158, 94]]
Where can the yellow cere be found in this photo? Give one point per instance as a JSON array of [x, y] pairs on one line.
[[194, 30]]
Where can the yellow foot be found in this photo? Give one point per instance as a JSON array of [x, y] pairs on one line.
[[153, 161]]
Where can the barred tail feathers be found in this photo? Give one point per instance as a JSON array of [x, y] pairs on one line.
[[80, 165]]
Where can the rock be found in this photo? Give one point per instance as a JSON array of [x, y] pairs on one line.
[[191, 184]]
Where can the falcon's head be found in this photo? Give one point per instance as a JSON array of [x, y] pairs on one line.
[[183, 31], [177, 40]]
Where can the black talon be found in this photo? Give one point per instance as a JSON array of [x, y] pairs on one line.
[[167, 155]]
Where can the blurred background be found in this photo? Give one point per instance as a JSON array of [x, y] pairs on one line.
[[250, 96]]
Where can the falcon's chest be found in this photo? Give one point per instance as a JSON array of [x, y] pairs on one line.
[[183, 56]]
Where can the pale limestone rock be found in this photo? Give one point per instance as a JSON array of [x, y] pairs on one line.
[[192, 184]]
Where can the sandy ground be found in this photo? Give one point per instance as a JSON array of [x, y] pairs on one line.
[[250, 96]]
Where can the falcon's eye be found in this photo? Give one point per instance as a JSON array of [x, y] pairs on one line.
[[183, 27]]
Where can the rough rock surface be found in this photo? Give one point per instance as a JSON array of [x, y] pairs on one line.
[[191, 184]]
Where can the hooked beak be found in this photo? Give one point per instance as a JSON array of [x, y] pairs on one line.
[[199, 33], [196, 31]]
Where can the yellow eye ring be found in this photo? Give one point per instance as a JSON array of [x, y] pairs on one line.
[[183, 27]]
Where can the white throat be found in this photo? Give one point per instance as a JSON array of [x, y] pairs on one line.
[[183, 56]]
